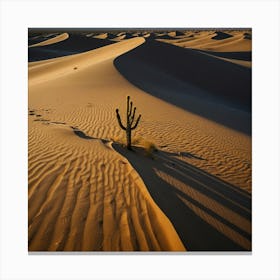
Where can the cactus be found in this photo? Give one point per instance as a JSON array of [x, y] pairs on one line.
[[130, 115]]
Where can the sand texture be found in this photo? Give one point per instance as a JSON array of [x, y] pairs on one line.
[[187, 183]]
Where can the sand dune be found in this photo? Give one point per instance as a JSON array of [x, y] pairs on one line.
[[37, 37], [54, 40], [91, 204], [101, 36], [88, 193], [80, 197], [242, 56], [76, 43], [208, 40], [221, 36], [215, 41], [223, 55], [50, 69], [160, 69]]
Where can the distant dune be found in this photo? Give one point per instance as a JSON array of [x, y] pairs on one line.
[[74, 44], [221, 36], [214, 41], [50, 41], [37, 37]]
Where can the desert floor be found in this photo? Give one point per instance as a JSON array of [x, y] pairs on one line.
[[87, 192]]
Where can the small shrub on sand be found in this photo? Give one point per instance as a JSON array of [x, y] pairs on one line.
[[149, 148], [137, 140]]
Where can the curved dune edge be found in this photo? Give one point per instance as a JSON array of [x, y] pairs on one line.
[[54, 40], [195, 81], [44, 71], [244, 63]]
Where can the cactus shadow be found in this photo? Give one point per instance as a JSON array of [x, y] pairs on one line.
[[80, 133], [177, 203]]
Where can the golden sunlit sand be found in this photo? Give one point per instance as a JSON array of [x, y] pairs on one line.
[[186, 185]]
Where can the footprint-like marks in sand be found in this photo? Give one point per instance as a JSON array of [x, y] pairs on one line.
[[76, 130]]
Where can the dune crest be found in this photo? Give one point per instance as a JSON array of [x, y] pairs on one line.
[[54, 40], [44, 71]]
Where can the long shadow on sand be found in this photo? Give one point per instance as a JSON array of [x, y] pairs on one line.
[[183, 204], [207, 86], [80, 133]]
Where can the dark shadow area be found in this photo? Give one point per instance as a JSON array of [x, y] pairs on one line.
[[58, 122], [247, 36], [196, 233], [179, 33], [215, 89], [76, 43], [35, 38], [167, 37], [221, 36], [81, 134], [41, 120]]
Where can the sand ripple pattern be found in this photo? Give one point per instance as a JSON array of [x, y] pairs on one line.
[[83, 195], [86, 197]]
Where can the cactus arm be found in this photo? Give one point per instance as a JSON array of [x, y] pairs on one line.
[[133, 127], [119, 120], [130, 109], [127, 106], [133, 115]]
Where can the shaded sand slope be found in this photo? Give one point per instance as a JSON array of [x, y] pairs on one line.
[[50, 41], [212, 75], [76, 43], [221, 36], [233, 46], [239, 58], [191, 80], [106, 207], [216, 210], [82, 194], [37, 37]]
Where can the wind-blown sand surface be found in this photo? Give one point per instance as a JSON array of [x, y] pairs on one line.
[[51, 41], [87, 192]]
